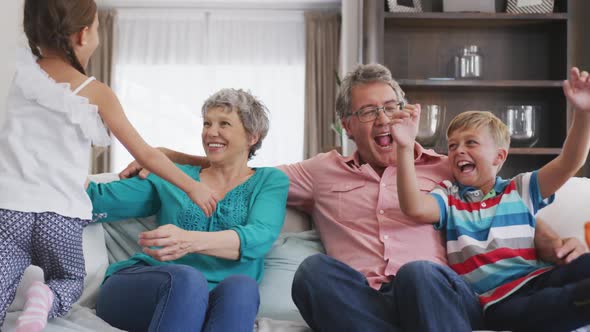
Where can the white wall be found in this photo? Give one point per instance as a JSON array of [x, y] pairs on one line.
[[10, 35], [350, 49]]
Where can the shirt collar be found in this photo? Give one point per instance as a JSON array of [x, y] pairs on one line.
[[499, 187], [420, 154]]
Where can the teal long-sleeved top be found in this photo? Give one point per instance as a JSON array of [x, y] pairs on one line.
[[255, 210]]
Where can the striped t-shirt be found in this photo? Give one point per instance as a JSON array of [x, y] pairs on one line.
[[490, 238]]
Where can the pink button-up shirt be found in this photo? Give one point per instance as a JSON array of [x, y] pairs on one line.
[[357, 212]]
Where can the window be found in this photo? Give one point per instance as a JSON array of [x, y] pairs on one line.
[[166, 65]]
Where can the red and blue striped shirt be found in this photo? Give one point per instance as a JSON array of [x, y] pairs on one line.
[[490, 238]]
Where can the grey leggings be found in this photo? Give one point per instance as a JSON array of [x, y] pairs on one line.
[[50, 241]]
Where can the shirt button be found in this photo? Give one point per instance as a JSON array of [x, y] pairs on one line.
[[347, 187], [383, 185], [385, 237], [483, 204], [381, 212]]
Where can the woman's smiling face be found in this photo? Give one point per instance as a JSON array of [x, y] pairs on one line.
[[224, 136]]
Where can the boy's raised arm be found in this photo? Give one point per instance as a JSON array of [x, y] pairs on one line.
[[423, 208], [577, 143]]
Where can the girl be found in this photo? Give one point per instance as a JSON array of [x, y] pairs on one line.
[[54, 113]]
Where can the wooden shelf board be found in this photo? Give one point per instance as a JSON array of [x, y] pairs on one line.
[[522, 151], [481, 20], [481, 83], [477, 16], [535, 151]]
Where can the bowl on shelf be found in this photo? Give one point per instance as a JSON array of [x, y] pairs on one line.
[[522, 122], [429, 127]]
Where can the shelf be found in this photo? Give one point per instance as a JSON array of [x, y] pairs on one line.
[[520, 151], [534, 151], [468, 18], [477, 16], [524, 60], [480, 83]]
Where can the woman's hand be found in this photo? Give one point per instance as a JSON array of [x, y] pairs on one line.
[[174, 243]]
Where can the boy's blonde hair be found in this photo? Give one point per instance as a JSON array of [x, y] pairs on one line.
[[482, 119]]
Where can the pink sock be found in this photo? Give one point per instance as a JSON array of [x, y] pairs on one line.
[[39, 301]]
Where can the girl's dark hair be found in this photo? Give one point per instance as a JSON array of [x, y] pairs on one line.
[[50, 23]]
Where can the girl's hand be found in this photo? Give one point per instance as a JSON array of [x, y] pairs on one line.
[[174, 243], [201, 195], [577, 90], [405, 128]]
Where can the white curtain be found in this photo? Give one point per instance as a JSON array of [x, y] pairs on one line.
[[168, 63]]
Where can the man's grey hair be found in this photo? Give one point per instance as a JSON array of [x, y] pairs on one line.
[[363, 74], [252, 112]]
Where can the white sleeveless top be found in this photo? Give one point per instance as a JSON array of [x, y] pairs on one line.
[[45, 143]]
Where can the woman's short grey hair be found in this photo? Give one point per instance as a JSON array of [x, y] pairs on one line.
[[252, 112], [363, 74]]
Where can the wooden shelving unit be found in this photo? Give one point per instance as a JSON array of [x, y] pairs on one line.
[[526, 57]]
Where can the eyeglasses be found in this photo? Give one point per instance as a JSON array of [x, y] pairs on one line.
[[370, 113]]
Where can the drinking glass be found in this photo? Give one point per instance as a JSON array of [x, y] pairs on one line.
[[522, 122], [431, 119]]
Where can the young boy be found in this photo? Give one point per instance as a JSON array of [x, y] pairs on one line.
[[490, 223]]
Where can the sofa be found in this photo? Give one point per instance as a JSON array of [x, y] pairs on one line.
[[106, 243]]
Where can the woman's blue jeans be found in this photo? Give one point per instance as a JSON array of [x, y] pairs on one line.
[[423, 296], [176, 298]]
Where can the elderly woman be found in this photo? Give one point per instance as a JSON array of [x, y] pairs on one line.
[[198, 273]]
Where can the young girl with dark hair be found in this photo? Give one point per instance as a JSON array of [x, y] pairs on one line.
[[55, 112]]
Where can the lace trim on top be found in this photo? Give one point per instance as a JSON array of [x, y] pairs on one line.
[[231, 211], [36, 85]]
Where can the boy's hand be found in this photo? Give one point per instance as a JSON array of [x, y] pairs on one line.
[[577, 90], [203, 196], [570, 249], [405, 127]]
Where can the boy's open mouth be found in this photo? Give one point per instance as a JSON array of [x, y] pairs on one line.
[[465, 166]]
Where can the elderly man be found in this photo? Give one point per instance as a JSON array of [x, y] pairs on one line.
[[382, 271]]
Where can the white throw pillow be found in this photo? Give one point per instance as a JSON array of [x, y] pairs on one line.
[[280, 265], [570, 210]]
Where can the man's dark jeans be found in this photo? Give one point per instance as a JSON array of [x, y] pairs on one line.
[[423, 296]]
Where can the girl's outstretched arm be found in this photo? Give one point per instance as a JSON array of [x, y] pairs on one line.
[[154, 160]]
